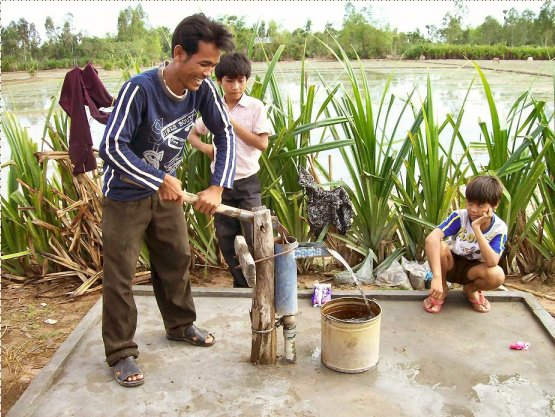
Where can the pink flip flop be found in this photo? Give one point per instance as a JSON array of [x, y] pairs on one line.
[[481, 302], [435, 303]]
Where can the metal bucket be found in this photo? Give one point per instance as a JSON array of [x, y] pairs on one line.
[[350, 335]]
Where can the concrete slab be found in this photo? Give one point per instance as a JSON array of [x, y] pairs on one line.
[[457, 363]]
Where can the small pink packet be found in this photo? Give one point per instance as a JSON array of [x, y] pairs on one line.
[[519, 345]]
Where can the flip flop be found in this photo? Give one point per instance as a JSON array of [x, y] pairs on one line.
[[435, 303], [192, 335], [481, 302], [124, 368]]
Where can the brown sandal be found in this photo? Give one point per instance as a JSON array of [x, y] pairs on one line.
[[193, 335], [124, 368]]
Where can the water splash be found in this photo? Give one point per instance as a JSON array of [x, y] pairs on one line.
[[346, 265]]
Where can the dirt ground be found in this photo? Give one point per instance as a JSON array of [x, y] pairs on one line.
[[28, 342]]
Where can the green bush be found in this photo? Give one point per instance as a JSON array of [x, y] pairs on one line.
[[447, 51]]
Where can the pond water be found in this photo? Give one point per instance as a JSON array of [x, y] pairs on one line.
[[29, 98]]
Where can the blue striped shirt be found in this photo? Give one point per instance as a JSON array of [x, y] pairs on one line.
[[147, 130]]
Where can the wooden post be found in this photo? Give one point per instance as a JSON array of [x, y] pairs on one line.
[[263, 349]]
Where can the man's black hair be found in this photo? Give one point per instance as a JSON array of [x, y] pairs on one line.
[[233, 66], [197, 28]]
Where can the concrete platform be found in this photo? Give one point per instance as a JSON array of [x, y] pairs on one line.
[[457, 363]]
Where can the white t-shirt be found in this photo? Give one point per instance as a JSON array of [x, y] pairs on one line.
[[250, 113], [463, 241]]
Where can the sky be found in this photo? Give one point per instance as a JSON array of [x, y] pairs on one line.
[[96, 18]]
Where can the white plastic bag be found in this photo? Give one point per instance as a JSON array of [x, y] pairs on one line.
[[394, 276], [416, 272]]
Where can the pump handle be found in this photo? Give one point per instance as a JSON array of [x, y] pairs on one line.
[[222, 208]]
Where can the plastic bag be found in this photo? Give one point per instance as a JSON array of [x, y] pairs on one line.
[[364, 273], [394, 276], [417, 273]]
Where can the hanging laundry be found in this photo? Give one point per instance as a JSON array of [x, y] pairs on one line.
[[81, 88], [326, 207]]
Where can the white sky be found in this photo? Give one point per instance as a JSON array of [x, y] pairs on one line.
[[96, 18]]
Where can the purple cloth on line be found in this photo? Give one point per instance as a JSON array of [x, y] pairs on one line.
[[81, 88]]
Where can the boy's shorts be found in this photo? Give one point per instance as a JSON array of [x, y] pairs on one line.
[[459, 273]]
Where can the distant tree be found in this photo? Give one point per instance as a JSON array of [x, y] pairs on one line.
[[10, 40], [241, 33], [348, 10], [510, 26], [70, 40], [452, 30], [273, 30], [262, 29], [63, 42], [51, 30], [20, 39], [461, 10], [415, 37], [433, 33], [164, 36], [308, 26], [527, 30], [545, 23], [328, 36], [131, 24], [296, 43], [10, 47], [488, 33], [356, 32]]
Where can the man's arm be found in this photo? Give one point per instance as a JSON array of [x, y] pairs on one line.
[[171, 189], [114, 148], [209, 199], [217, 121]]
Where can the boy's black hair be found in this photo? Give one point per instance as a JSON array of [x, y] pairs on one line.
[[484, 189], [197, 28], [233, 66]]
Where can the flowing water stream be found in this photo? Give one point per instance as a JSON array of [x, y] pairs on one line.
[[346, 265]]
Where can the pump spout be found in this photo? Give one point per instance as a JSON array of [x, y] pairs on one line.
[[289, 338]]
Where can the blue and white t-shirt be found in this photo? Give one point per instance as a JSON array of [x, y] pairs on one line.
[[463, 242], [147, 131]]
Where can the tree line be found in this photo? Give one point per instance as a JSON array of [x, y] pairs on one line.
[[519, 36]]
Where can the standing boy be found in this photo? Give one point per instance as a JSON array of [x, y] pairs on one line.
[[248, 117], [142, 148], [478, 240]]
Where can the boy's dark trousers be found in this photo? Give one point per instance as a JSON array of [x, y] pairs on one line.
[[125, 226], [244, 195]]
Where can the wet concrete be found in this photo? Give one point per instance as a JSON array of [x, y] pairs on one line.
[[457, 363]]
